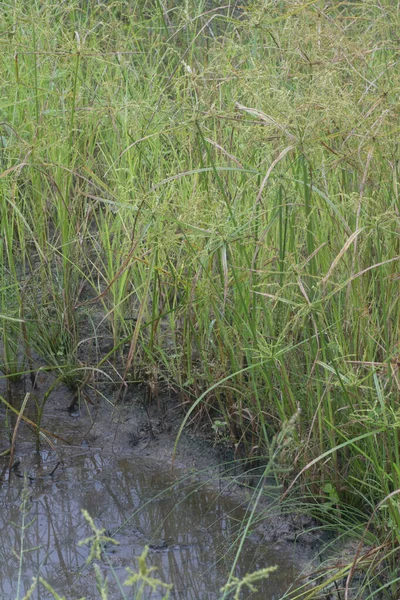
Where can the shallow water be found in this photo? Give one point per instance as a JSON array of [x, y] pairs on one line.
[[189, 526]]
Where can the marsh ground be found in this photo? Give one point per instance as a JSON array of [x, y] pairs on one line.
[[204, 198]]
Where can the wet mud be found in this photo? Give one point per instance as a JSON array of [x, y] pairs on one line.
[[117, 464]]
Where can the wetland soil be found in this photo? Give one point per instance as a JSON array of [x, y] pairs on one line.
[[137, 428], [102, 453]]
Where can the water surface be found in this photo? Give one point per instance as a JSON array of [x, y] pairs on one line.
[[190, 527]]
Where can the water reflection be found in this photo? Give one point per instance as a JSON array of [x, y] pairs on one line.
[[190, 529]]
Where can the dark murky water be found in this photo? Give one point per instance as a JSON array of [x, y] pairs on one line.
[[190, 527]]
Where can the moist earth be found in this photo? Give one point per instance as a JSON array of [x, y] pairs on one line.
[[139, 428]]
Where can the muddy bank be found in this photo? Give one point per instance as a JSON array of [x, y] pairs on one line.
[[191, 530], [117, 464], [137, 428]]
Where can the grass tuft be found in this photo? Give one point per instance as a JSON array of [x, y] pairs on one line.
[[206, 196]]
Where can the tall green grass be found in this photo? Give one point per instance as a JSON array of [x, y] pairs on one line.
[[214, 188]]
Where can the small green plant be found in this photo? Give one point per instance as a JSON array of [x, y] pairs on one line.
[[143, 578], [95, 541], [221, 431], [236, 586], [139, 580]]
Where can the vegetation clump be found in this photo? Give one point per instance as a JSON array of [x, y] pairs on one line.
[[206, 195]]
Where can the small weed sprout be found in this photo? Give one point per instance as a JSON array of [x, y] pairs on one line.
[[236, 585], [144, 577], [221, 431], [96, 541]]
